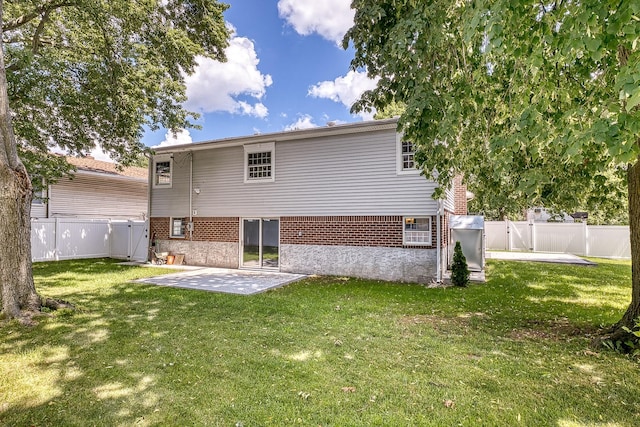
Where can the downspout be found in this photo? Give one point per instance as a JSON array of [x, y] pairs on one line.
[[190, 226], [149, 192], [438, 244]]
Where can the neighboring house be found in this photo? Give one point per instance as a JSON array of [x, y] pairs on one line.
[[338, 200], [96, 190]]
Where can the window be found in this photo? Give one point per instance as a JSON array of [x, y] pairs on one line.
[[259, 162], [406, 156], [178, 227], [417, 231], [408, 151], [259, 165], [162, 169]]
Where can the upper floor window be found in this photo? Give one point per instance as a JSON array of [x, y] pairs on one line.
[[162, 170], [259, 162], [406, 151]]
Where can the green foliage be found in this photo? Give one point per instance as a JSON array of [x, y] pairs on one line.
[[87, 72], [536, 104], [459, 268]]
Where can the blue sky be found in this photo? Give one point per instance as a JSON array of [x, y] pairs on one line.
[[285, 70]]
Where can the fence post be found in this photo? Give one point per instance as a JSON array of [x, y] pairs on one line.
[[532, 236], [585, 233], [56, 239], [508, 227]]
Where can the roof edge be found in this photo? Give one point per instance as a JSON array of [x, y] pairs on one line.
[[343, 129]]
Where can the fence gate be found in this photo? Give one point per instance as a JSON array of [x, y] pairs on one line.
[[129, 240]]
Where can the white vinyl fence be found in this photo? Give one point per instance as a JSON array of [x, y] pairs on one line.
[[606, 241], [56, 239]]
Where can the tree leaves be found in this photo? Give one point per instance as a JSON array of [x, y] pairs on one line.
[[86, 72], [531, 98]]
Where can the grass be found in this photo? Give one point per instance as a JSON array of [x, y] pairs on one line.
[[323, 351]]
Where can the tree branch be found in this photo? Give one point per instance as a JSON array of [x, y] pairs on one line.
[[35, 43], [28, 17]]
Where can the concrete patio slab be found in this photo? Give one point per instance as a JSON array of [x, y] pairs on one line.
[[539, 257], [242, 282]]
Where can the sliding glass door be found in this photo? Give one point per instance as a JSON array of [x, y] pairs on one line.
[[260, 242]]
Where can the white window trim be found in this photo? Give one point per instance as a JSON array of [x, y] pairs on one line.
[[404, 236], [185, 226], [162, 159], [260, 148], [399, 161]]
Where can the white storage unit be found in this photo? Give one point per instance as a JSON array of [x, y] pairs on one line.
[[469, 231]]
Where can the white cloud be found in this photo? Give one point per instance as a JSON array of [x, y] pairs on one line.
[[180, 138], [215, 86], [346, 89], [329, 18], [303, 122]]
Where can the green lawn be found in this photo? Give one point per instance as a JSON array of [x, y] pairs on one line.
[[323, 351]]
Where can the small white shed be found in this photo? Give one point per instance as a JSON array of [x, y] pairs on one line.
[[469, 231]]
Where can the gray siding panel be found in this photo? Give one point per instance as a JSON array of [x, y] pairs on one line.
[[347, 175], [96, 197]]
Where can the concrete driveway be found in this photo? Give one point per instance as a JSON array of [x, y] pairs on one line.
[[539, 257], [243, 282]]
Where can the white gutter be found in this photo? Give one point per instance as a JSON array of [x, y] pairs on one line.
[[438, 243]]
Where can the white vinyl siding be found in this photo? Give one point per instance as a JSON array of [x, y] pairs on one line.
[[351, 174], [93, 196]]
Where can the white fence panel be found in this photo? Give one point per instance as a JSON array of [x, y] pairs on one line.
[[560, 238], [609, 241], [129, 240], [43, 241], [120, 239], [496, 235], [82, 238], [68, 238], [139, 241], [519, 236], [606, 241]]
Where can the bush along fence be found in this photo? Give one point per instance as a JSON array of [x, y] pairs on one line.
[[54, 239], [605, 241]]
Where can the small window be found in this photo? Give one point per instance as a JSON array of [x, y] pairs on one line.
[[259, 162], [178, 227], [162, 170], [417, 231], [406, 151]]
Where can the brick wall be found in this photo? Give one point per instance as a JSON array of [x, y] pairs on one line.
[[215, 229], [380, 231], [375, 231], [460, 196]]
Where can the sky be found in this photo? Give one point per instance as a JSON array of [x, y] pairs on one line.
[[285, 70]]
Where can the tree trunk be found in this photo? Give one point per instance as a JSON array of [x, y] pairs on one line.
[[619, 335], [18, 296]]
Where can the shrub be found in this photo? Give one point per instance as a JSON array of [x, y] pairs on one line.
[[459, 268]]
